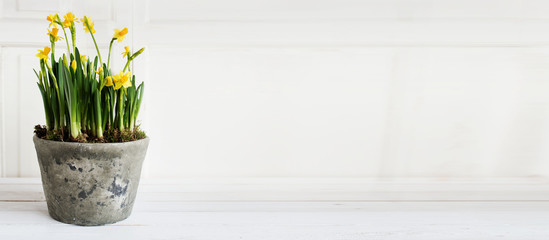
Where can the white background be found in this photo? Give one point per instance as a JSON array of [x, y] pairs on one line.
[[303, 88]]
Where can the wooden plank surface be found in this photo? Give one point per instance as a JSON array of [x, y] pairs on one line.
[[308, 209]]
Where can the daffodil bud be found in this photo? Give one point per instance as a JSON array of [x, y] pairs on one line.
[[137, 53]]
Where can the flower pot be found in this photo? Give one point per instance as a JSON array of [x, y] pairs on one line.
[[90, 183]]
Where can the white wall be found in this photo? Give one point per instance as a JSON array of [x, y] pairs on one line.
[[303, 88]]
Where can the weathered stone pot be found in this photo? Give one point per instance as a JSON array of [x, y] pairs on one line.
[[90, 183]]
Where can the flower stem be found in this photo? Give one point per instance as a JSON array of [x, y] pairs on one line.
[[67, 40], [95, 43], [53, 49], [126, 66], [73, 35], [64, 32], [121, 111], [109, 58]]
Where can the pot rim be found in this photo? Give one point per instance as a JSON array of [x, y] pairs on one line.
[[91, 144]]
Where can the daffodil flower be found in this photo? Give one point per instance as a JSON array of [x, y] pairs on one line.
[[127, 52], [69, 20], [43, 55], [109, 81], [120, 34], [83, 59], [88, 24], [66, 24], [52, 19], [53, 35], [99, 70], [122, 80]]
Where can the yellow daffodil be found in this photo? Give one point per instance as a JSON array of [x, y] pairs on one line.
[[127, 52], [52, 19], [83, 59], [122, 80], [120, 34], [43, 54], [73, 65], [70, 17], [109, 81], [99, 70], [88, 24], [53, 35], [69, 20]]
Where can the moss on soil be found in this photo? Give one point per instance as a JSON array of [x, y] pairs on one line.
[[109, 136]]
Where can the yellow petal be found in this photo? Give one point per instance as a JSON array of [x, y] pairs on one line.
[[73, 65], [127, 84], [120, 34], [52, 19], [69, 16], [43, 54], [53, 34], [109, 81], [66, 24], [88, 24], [126, 52], [117, 85]]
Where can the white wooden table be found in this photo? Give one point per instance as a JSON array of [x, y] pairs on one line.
[[316, 209]]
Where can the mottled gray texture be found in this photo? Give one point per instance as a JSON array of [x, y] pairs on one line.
[[90, 183]]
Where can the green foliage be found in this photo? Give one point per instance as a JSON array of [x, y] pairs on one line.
[[82, 98], [76, 99]]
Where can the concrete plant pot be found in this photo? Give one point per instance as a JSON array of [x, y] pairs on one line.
[[90, 183]]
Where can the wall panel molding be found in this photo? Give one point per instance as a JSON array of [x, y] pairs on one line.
[[348, 33], [38, 10], [270, 88], [28, 9], [319, 10], [422, 23], [11, 87], [2, 115]]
